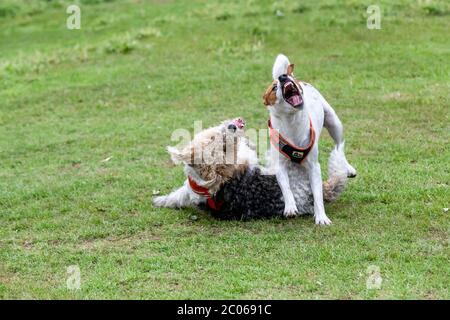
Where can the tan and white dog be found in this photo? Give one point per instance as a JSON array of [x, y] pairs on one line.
[[298, 112], [213, 157]]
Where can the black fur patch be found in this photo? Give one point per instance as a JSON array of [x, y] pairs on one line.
[[249, 196]]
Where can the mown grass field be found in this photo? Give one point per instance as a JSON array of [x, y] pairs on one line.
[[85, 116]]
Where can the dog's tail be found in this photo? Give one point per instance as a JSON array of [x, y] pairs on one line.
[[337, 174]]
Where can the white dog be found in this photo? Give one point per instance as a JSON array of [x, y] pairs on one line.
[[223, 178], [298, 112]]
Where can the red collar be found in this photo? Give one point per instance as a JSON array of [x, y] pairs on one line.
[[204, 192], [288, 149]]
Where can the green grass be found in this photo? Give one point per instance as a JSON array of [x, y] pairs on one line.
[[137, 70]]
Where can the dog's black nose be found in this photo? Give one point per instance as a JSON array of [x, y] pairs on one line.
[[283, 78], [232, 127]]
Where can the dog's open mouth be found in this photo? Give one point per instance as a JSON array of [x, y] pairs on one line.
[[239, 122], [292, 94]]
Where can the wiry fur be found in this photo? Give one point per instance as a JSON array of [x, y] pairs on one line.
[[207, 161], [254, 195]]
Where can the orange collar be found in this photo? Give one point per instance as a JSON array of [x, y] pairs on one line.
[[288, 149], [204, 192]]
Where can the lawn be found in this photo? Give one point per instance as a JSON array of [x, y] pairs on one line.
[[85, 116]]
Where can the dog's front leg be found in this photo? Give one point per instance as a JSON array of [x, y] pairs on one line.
[[315, 179], [290, 208], [180, 198]]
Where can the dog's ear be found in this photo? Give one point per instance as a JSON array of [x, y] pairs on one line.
[[175, 155], [280, 66], [290, 69], [270, 96]]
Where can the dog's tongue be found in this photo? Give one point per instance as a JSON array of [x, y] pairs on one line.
[[295, 100], [240, 123]]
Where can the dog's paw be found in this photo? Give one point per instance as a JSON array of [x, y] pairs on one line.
[[322, 220], [351, 172], [160, 201], [290, 211]]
